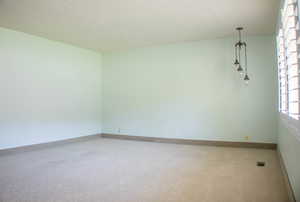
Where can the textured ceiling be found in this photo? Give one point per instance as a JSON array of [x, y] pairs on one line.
[[107, 25]]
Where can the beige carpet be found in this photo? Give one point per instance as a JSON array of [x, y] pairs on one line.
[[107, 170]]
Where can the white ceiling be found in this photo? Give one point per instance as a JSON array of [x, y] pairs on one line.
[[107, 25]]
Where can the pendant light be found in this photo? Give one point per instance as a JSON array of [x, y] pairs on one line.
[[239, 48]]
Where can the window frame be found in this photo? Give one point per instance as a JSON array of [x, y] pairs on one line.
[[291, 124], [288, 57]]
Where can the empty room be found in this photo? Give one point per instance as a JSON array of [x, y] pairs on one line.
[[149, 101]]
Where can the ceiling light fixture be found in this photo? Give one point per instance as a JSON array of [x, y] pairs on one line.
[[241, 47]]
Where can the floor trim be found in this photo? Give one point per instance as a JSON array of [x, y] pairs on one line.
[[47, 144], [192, 141], [137, 138], [289, 188]]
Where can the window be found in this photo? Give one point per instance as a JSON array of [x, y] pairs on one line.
[[288, 60]]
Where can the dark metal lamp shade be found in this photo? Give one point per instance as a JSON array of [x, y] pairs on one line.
[[246, 77], [240, 69]]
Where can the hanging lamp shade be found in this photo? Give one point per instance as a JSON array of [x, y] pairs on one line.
[[246, 78], [240, 69]]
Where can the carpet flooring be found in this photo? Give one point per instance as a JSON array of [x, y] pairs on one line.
[[109, 170]]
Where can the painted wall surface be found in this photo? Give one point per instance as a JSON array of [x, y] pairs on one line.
[[192, 91], [49, 90], [289, 145]]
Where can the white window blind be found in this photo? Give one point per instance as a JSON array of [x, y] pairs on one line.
[[288, 60]]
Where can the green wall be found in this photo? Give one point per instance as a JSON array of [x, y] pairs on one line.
[[191, 90], [49, 90], [289, 146]]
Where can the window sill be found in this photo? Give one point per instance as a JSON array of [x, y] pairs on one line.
[[292, 124]]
